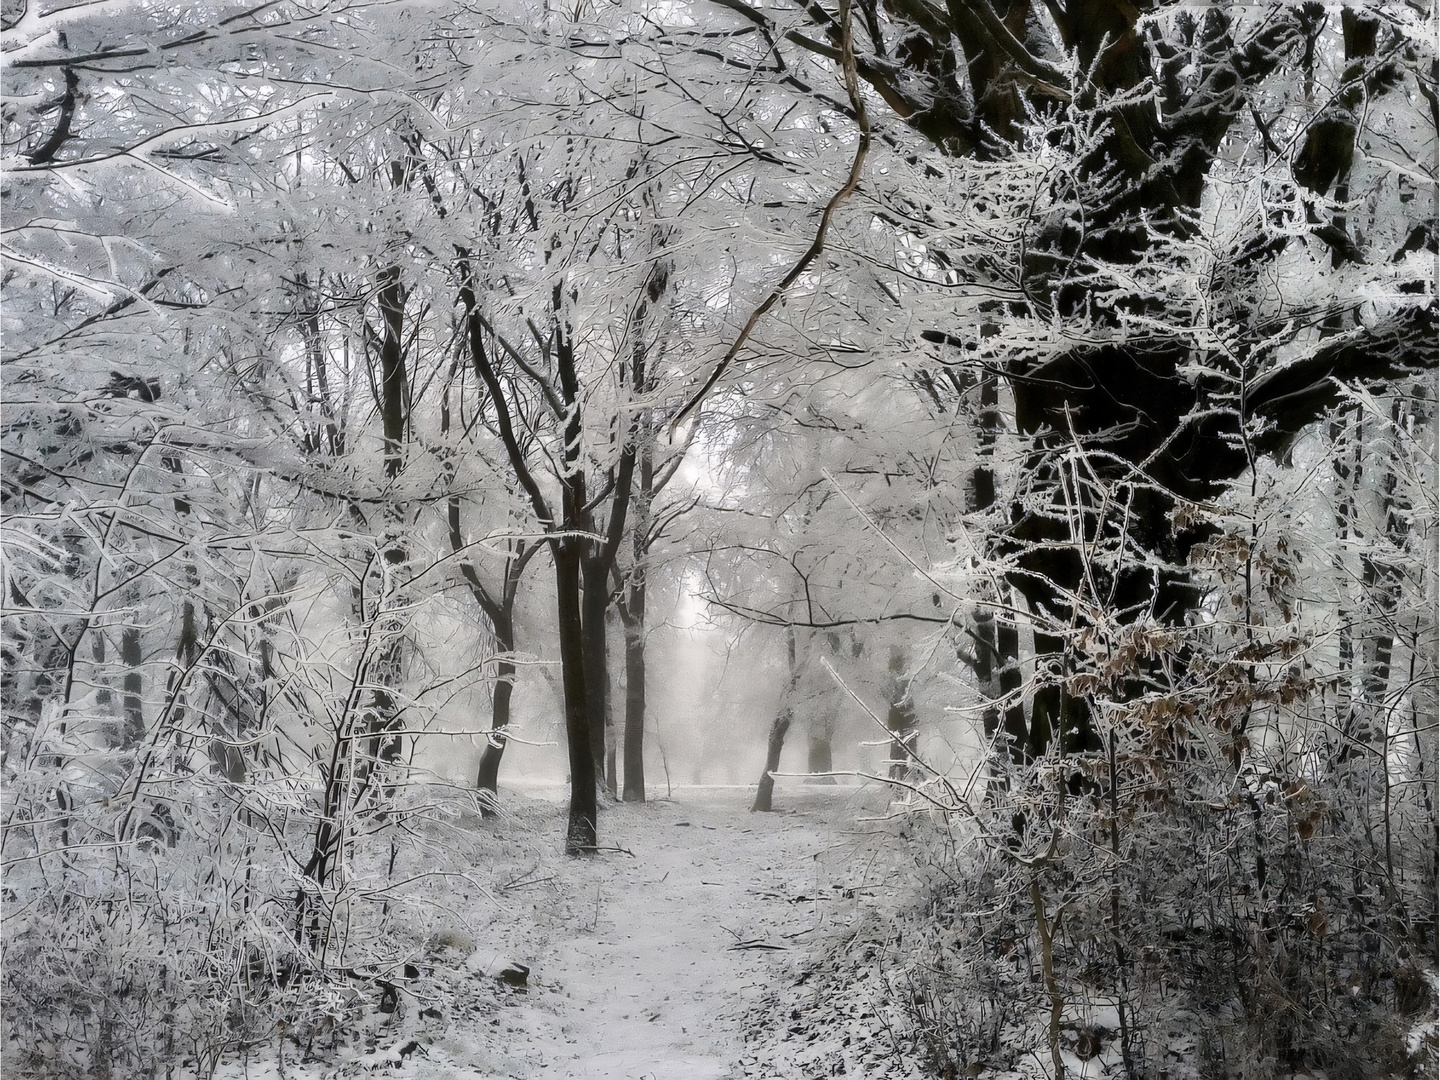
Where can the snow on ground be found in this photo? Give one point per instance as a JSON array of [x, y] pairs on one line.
[[687, 955], [706, 942], [660, 953]]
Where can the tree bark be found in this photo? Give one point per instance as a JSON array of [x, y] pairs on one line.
[[900, 717], [632, 615], [132, 684], [634, 790], [566, 549], [765, 791], [595, 571], [612, 779], [1381, 585], [393, 390], [488, 776], [996, 640], [580, 832], [820, 760], [384, 744]]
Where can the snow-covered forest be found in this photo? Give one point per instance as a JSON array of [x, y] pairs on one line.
[[462, 457]]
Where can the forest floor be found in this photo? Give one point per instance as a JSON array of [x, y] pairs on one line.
[[704, 946]]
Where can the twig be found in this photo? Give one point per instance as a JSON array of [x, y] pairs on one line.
[[525, 879], [595, 848]]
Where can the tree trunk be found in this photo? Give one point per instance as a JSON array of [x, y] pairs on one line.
[[632, 614], [489, 773], [1346, 479], [820, 760], [580, 833], [764, 793], [1381, 583], [594, 573], [131, 702], [393, 391], [612, 780], [997, 641], [900, 718], [635, 695], [385, 744]]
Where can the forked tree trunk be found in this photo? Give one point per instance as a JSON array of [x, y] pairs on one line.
[[565, 547]]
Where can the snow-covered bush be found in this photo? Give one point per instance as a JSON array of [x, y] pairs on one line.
[[1223, 863]]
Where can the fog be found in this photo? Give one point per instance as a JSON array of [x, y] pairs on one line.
[[714, 687]]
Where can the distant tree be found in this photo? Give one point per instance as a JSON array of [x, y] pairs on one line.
[[649, 524]]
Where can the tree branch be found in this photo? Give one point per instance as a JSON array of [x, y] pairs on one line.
[[852, 88]]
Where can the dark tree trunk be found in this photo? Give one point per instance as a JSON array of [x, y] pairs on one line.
[[391, 299], [632, 614], [1345, 465], [500, 613], [900, 717], [385, 745], [612, 779], [488, 776], [131, 702], [566, 550], [635, 697], [580, 833], [820, 759], [764, 794], [595, 573], [996, 639]]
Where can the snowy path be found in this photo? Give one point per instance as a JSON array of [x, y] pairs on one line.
[[643, 966]]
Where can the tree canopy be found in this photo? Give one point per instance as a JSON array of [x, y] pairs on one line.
[[1068, 366]]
